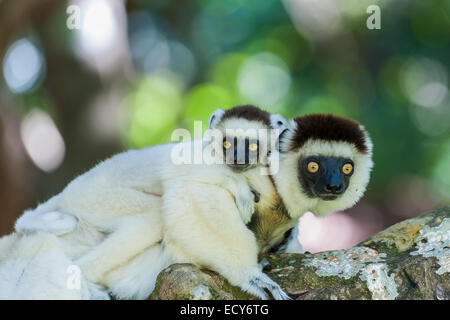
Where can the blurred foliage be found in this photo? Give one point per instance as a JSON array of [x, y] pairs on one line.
[[191, 57]]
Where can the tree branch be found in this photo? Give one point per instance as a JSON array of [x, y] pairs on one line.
[[409, 260]]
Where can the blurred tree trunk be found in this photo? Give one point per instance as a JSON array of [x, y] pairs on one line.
[[23, 185], [15, 171], [409, 260], [16, 16]]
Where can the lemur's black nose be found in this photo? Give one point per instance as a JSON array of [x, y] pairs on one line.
[[334, 188]]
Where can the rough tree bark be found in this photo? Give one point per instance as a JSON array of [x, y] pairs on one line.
[[409, 260]]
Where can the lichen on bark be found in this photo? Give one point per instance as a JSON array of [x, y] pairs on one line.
[[409, 260]]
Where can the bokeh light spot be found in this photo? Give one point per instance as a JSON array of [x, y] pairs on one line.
[[333, 232], [264, 79], [98, 27], [432, 121], [22, 66], [226, 69], [424, 82], [202, 100], [154, 107], [42, 140]]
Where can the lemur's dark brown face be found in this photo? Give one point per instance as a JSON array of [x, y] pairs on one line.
[[325, 177]]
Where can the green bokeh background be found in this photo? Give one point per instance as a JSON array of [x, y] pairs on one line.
[[257, 52]]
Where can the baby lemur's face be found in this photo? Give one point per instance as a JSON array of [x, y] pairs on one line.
[[242, 152], [248, 135]]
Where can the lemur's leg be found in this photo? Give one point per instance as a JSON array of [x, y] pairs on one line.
[[203, 227], [244, 196], [137, 278], [132, 235]]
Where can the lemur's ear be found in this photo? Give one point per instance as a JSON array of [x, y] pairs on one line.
[[277, 121], [215, 118], [286, 135]]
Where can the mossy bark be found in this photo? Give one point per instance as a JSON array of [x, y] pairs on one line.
[[409, 260]]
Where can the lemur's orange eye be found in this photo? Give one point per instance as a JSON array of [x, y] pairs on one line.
[[253, 147], [313, 166], [347, 168], [226, 144]]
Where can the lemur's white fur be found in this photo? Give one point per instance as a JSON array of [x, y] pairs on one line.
[[218, 220], [120, 198], [123, 237], [36, 266], [216, 237]]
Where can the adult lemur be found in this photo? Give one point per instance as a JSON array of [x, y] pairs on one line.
[[121, 198], [324, 164]]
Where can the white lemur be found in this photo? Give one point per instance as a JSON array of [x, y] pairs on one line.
[[341, 150], [325, 164], [121, 197], [218, 238]]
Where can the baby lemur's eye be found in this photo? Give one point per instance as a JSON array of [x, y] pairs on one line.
[[253, 147], [226, 144], [347, 168], [313, 166]]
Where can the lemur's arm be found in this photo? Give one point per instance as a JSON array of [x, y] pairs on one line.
[[203, 226], [221, 176]]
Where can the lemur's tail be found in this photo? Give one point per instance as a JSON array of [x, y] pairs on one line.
[[46, 218], [37, 267], [6, 242]]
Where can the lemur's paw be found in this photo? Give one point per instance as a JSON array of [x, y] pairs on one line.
[[255, 291], [53, 222], [246, 206], [246, 209], [262, 281], [265, 265]]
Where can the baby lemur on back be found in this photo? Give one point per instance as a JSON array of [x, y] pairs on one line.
[[323, 165], [139, 201]]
